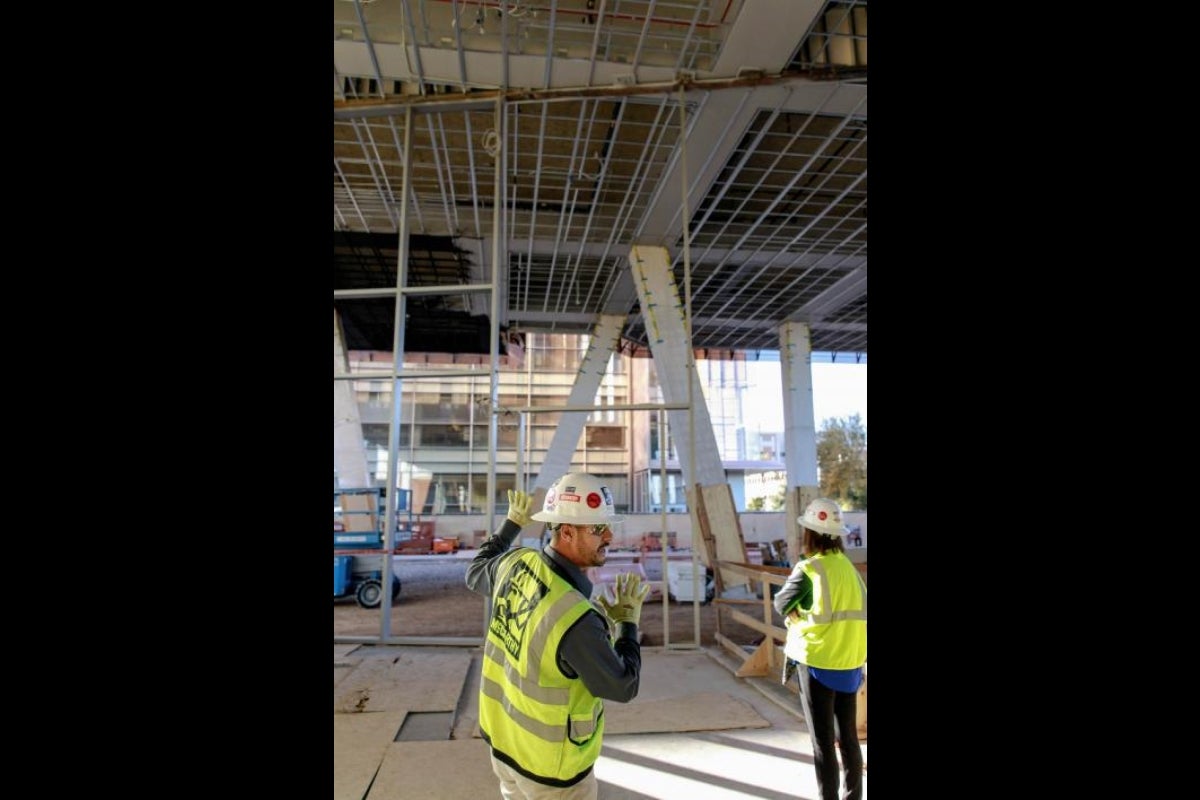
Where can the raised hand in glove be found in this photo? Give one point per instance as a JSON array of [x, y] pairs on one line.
[[630, 592], [518, 508]]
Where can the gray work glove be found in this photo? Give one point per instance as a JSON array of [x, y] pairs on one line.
[[518, 508], [629, 593]]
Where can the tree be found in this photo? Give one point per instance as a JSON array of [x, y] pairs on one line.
[[776, 501], [842, 461]]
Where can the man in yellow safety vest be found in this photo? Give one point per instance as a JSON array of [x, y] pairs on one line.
[[551, 657]]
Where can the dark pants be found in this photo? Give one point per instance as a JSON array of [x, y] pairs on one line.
[[831, 715]]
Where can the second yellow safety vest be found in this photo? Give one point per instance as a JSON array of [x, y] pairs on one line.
[[833, 634]]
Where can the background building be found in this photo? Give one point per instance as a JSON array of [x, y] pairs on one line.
[[443, 436]]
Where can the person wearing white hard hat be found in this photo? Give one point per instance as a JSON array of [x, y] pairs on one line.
[[824, 607], [551, 657]]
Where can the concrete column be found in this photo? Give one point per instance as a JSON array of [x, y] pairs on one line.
[[349, 449], [603, 342], [663, 311], [799, 431]]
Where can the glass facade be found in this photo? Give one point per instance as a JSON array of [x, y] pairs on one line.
[[444, 422], [444, 425]]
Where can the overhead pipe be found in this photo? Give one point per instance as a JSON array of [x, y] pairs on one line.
[[591, 12], [361, 108]]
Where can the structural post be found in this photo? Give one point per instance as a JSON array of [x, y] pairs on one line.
[[799, 429], [349, 449]]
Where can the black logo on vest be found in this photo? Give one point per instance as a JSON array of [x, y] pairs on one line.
[[519, 595]]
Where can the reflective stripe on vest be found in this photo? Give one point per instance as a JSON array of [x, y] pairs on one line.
[[548, 726], [821, 596], [833, 633]]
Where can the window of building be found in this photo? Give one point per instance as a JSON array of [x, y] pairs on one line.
[[443, 436], [604, 436]]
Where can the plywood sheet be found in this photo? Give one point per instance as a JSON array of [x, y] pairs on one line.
[[702, 711], [343, 666], [406, 681], [676, 695], [340, 651], [459, 768], [717, 503], [359, 744]]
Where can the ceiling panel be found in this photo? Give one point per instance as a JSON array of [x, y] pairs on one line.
[[757, 120]]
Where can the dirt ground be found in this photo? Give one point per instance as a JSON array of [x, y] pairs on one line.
[[435, 602]]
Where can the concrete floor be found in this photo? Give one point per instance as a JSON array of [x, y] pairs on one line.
[[695, 730]]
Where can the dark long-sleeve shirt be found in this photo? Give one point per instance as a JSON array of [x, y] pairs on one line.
[[610, 670], [797, 591]]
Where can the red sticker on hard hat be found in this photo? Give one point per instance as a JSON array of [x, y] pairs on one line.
[[593, 500], [821, 515], [569, 498]]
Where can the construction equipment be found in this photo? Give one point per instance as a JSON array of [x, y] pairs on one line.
[[414, 537], [358, 552]]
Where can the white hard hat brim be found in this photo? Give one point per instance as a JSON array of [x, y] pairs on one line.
[[543, 516], [836, 530]]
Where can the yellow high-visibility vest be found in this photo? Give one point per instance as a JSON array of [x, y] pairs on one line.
[[833, 633], [545, 725]]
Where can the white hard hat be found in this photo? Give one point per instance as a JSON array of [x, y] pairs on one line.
[[823, 516], [578, 497]]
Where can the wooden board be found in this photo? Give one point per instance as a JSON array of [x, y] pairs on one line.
[[359, 743], [701, 711], [406, 681], [717, 518], [677, 694], [340, 651], [459, 768], [675, 697]]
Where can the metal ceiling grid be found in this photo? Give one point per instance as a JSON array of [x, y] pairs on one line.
[[777, 185], [368, 261], [573, 164], [681, 35], [782, 224], [837, 36], [583, 175]]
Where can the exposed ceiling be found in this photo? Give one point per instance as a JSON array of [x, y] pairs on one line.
[[599, 112]]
